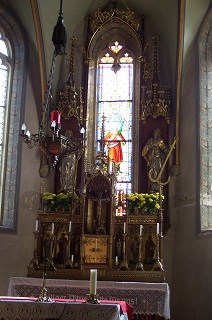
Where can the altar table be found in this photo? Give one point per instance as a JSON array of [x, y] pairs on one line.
[[30, 309], [146, 298]]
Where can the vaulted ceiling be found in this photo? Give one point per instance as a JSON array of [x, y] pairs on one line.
[[162, 15]]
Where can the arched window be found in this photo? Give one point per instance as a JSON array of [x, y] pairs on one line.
[[113, 108], [12, 66], [114, 121], [205, 145]]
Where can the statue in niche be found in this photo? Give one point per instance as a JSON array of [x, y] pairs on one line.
[[135, 249], [118, 248], [62, 244], [47, 246], [67, 168], [154, 152], [149, 250]]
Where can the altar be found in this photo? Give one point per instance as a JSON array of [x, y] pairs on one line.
[[30, 309], [145, 298]]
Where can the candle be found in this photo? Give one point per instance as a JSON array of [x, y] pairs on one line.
[[117, 260], [36, 225], [23, 128], [141, 229], [157, 228], [124, 227], [93, 281], [69, 230], [55, 116], [72, 258], [52, 227]]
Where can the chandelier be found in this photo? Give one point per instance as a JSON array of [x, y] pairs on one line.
[[155, 99], [49, 138]]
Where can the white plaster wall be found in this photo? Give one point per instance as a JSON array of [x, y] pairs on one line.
[[16, 250], [192, 258]]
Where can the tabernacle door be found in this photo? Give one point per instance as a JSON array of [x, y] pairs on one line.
[[96, 249]]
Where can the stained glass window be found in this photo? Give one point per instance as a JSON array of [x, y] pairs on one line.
[[3, 92], [114, 124], [12, 70], [205, 124]]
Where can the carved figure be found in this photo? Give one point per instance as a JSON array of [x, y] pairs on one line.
[[62, 244], [118, 248], [135, 249], [149, 250], [67, 168], [154, 152]]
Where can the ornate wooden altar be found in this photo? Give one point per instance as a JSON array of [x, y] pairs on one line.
[[99, 232]]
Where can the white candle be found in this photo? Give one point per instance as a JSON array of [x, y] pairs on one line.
[[36, 225], [117, 260], [124, 227], [141, 229], [157, 228], [93, 281], [69, 230], [52, 227], [72, 258]]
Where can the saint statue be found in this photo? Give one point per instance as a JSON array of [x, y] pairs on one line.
[[149, 250], [154, 152], [67, 168]]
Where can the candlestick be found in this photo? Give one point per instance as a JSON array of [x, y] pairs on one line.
[[124, 227], [36, 225], [69, 230], [157, 228], [93, 281], [52, 227], [141, 229]]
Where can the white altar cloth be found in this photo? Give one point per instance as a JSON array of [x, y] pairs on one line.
[[146, 298], [26, 309]]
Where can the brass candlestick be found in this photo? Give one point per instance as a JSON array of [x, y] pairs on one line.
[[139, 265], [158, 266], [43, 294], [92, 298]]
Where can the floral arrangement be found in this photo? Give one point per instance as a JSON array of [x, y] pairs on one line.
[[147, 202], [59, 202]]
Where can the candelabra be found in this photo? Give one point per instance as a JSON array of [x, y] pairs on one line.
[[49, 139], [43, 294]]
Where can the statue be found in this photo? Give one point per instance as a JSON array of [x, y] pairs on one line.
[[149, 250], [119, 248], [135, 249], [154, 152], [62, 244], [67, 168]]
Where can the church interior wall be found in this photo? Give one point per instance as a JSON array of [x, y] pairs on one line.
[[186, 253]]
